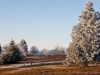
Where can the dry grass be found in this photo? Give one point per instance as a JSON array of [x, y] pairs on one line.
[[37, 59], [52, 70], [49, 70]]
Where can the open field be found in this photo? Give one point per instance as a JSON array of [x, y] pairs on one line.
[[36, 59], [55, 69], [52, 70]]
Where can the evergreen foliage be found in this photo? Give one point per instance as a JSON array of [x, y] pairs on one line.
[[12, 54], [24, 46], [85, 45]]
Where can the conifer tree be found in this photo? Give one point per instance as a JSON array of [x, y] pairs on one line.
[[13, 54], [85, 45], [23, 44]]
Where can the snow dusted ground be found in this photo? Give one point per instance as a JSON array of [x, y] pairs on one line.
[[32, 64]]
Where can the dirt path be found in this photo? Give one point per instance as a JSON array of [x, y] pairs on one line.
[[32, 64]]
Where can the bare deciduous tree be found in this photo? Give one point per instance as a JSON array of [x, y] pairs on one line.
[[34, 50], [58, 50]]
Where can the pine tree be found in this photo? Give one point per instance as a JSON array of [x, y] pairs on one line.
[[13, 54], [23, 44], [85, 45]]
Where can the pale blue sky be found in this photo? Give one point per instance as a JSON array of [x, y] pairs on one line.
[[43, 23]]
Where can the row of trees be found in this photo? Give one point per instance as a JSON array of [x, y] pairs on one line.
[[12, 53], [58, 50]]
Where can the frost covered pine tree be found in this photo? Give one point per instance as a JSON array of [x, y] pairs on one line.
[[23, 48], [85, 45], [12, 54], [23, 44]]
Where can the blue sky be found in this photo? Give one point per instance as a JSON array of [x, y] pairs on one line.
[[43, 23]]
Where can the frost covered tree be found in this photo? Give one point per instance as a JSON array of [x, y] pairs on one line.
[[4, 48], [44, 52], [0, 48], [24, 45], [12, 54], [23, 48], [85, 45], [58, 50], [34, 50]]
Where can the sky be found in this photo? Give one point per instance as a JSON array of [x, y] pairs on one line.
[[43, 23]]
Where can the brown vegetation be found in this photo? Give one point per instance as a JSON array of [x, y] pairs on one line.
[[36, 59], [52, 70], [49, 69]]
